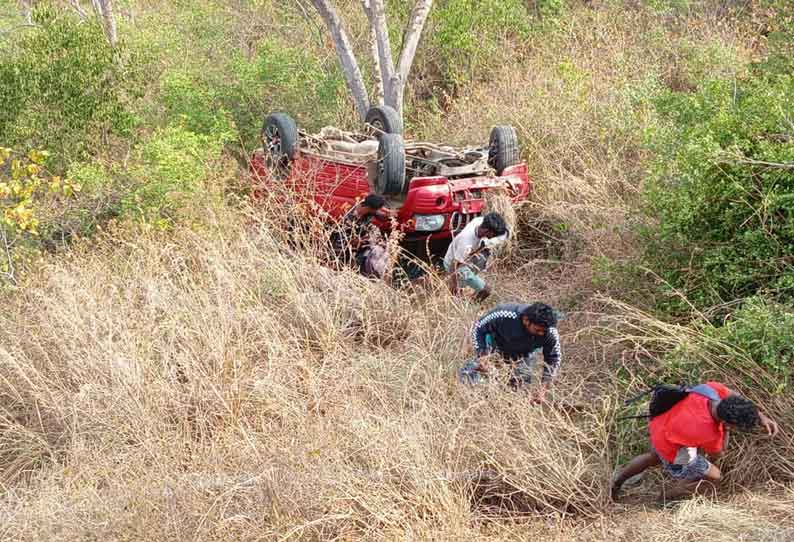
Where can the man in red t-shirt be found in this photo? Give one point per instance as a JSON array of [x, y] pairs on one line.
[[697, 422]]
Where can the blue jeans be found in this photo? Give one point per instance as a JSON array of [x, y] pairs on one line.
[[467, 276], [520, 369], [691, 472]]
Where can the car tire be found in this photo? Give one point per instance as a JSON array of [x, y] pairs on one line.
[[503, 148], [391, 165], [383, 119], [280, 142]]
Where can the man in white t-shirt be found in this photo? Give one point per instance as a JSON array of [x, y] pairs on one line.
[[469, 250]]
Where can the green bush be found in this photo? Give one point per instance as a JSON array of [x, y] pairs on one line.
[[191, 102], [63, 87], [174, 163], [722, 189], [753, 346], [281, 77], [230, 98], [467, 38], [763, 330]]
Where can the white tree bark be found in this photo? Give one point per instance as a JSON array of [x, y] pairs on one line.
[[108, 20], [413, 33], [344, 50], [377, 22], [391, 84], [374, 52], [373, 45], [27, 10], [79, 9]]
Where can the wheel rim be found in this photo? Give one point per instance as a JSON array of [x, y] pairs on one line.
[[273, 140], [376, 126]]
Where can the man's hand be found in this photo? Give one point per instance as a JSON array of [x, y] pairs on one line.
[[539, 396], [769, 424], [484, 366]]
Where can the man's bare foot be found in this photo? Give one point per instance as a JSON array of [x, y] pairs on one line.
[[483, 294], [614, 491]]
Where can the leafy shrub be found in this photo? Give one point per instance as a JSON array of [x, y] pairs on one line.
[[174, 163], [723, 190], [466, 38], [63, 87], [752, 346], [281, 77], [194, 104], [763, 330], [231, 98], [30, 200]]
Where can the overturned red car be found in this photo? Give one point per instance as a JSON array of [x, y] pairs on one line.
[[435, 189]]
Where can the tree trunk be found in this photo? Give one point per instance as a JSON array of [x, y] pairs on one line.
[[373, 49], [108, 20], [344, 51], [27, 10], [391, 84], [377, 21], [373, 45], [413, 32]]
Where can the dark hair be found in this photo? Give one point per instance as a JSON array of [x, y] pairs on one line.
[[495, 223], [541, 314], [739, 411], [374, 201]]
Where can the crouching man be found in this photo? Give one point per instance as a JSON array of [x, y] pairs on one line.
[[516, 333], [696, 425], [469, 250], [352, 241]]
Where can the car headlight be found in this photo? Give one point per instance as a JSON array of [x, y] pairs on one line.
[[429, 222]]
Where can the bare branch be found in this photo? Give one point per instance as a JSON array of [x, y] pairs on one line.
[[17, 27], [414, 31], [344, 51], [771, 165], [78, 8], [311, 21], [27, 11], [108, 19], [736, 157], [376, 13]]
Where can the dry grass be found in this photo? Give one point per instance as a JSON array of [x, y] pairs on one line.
[[217, 383], [213, 384], [580, 100]]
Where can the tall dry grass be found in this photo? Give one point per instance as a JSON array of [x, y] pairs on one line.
[[214, 383], [220, 383], [581, 99]]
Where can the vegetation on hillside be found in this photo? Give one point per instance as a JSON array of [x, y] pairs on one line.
[[171, 367]]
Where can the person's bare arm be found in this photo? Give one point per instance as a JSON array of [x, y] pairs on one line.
[[717, 455], [769, 424]]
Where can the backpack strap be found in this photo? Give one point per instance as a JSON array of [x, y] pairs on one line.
[[639, 396], [706, 391]]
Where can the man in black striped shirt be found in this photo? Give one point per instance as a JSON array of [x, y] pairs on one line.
[[516, 332]]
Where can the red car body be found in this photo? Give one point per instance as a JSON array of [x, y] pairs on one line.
[[335, 185]]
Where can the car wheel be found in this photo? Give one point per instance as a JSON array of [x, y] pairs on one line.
[[383, 119], [503, 148], [391, 164], [280, 141]]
